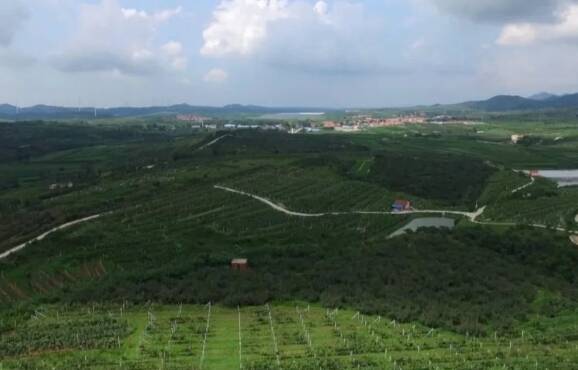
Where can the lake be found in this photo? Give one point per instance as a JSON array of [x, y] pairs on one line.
[[418, 223]]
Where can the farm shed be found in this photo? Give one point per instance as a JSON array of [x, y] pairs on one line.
[[239, 264]]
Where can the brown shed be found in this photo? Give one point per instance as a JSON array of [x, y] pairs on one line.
[[240, 264]]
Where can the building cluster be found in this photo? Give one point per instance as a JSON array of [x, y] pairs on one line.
[[361, 122], [394, 121]]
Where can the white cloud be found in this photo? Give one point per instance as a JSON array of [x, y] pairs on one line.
[[239, 26], [174, 52], [305, 35], [565, 29], [216, 75], [321, 8], [13, 13], [116, 39]]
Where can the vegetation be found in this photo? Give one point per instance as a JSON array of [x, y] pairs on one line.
[[167, 235], [284, 336]]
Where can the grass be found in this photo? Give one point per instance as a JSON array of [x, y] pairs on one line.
[[297, 335]]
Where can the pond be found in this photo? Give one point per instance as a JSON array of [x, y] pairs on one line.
[[561, 177], [418, 223]]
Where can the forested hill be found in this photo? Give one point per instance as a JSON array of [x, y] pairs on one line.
[[55, 112], [502, 103]]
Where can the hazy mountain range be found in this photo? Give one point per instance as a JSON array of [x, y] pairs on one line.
[[500, 103], [8, 111], [503, 103]]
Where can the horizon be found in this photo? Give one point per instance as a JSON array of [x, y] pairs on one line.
[[312, 107], [276, 53]]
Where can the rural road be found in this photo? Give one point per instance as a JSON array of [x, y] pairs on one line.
[[470, 215], [41, 237]]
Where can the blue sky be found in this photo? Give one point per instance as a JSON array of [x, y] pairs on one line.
[[342, 53]]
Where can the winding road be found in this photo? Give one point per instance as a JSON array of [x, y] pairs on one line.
[[473, 216]]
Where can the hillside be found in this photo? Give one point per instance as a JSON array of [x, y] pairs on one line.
[[503, 103]]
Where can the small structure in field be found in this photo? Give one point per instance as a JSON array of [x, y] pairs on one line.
[[239, 264], [517, 138], [401, 205]]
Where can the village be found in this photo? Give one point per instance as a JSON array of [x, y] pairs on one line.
[[350, 124]]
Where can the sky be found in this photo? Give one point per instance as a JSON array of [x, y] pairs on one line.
[[310, 53]]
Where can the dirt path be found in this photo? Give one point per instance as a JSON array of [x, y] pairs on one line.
[[213, 142], [41, 237], [470, 215], [532, 181]]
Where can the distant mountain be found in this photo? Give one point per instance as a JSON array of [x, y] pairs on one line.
[[55, 112], [8, 109], [543, 96], [503, 103]]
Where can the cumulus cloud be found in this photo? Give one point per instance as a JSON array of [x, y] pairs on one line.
[[216, 75], [112, 38], [311, 36], [239, 26], [13, 13], [504, 11], [564, 30]]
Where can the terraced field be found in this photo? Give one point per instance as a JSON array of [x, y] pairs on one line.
[[285, 336]]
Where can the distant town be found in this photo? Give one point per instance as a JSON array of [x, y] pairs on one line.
[[348, 124]]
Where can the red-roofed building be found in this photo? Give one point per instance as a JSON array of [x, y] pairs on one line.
[[401, 205]]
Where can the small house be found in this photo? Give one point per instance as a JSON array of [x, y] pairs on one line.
[[239, 264], [401, 205]]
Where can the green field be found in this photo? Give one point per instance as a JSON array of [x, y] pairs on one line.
[[276, 336]]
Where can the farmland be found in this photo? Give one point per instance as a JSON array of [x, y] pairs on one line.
[[130, 289], [274, 336]]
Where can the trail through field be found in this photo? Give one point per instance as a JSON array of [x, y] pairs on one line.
[[41, 237], [470, 215], [213, 142], [532, 181]]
